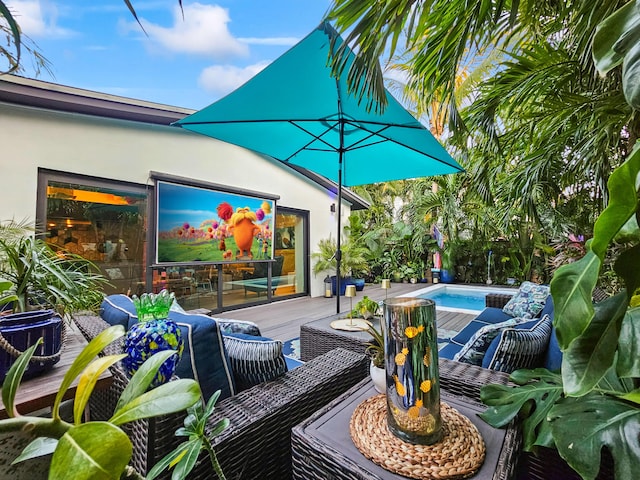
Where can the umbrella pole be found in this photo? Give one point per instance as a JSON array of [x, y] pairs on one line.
[[339, 251]]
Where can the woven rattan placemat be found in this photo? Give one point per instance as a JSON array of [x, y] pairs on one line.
[[459, 454]]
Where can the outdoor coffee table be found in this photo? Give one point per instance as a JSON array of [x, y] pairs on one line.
[[322, 447], [318, 338]]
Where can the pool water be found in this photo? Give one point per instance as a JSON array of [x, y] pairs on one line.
[[467, 298]]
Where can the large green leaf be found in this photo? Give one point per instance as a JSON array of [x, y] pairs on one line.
[[143, 377], [571, 289], [88, 381], [608, 49], [583, 425], [538, 391], [85, 357], [37, 448], [629, 345], [91, 451], [623, 202], [631, 69], [589, 357], [168, 398], [13, 379]]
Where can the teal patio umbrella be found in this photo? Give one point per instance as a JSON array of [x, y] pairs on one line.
[[297, 112]]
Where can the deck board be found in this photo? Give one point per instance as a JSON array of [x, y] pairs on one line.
[[282, 320]]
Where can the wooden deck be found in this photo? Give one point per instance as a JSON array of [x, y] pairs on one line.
[[281, 320]]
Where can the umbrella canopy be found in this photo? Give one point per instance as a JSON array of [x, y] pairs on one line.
[[295, 111]]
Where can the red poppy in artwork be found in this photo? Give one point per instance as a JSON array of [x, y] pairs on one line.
[[225, 211]]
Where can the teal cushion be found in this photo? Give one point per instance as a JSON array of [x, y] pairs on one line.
[[522, 346], [204, 357], [254, 360], [474, 350], [528, 302], [118, 310]]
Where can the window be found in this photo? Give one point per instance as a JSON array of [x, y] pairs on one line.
[[104, 221]]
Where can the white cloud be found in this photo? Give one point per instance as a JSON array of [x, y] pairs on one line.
[[38, 19], [222, 79], [278, 41], [203, 31]]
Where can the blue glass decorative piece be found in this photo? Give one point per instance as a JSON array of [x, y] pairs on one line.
[[154, 333], [146, 338]]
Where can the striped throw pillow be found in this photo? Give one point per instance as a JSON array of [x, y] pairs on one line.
[[523, 346], [254, 360]]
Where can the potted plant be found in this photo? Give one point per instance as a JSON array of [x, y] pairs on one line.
[[41, 278], [375, 351], [447, 272], [41, 287], [88, 450], [353, 259], [366, 308]]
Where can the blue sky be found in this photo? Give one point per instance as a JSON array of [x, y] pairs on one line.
[[187, 63]]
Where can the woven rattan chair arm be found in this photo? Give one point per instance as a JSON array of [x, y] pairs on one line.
[[497, 300]]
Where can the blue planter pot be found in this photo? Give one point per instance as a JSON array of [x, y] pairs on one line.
[[146, 338], [343, 284], [359, 283], [446, 276]]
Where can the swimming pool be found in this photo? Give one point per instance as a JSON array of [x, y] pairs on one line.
[[459, 298]]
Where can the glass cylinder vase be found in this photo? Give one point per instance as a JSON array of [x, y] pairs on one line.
[[411, 364]]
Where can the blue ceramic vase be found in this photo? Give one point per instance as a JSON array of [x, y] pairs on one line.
[[146, 338]]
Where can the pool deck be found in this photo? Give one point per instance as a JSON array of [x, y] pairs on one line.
[[282, 320]]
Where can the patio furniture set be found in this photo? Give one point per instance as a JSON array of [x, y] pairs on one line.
[[296, 425]]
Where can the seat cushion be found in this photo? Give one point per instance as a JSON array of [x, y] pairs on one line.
[[489, 316], [521, 346], [474, 350], [528, 302], [553, 355], [204, 357], [118, 310], [449, 351], [254, 360]]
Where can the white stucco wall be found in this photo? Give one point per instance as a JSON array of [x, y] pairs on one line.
[[128, 151]]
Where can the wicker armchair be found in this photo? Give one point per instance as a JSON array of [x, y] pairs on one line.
[[257, 443]]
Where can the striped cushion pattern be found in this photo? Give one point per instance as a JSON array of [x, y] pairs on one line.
[[521, 347], [254, 360]]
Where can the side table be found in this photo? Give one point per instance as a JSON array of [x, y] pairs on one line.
[[317, 338], [322, 447]]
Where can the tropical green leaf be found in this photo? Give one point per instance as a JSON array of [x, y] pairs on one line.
[[15, 32], [632, 397], [183, 466], [630, 232], [170, 397], [608, 51], [571, 289], [37, 448], [538, 391], [220, 427], [631, 72], [591, 355], [143, 377], [628, 345], [91, 451], [13, 379], [581, 426], [88, 381], [183, 451], [85, 357], [622, 204]]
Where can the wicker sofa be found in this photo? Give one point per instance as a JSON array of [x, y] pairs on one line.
[[257, 444]]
